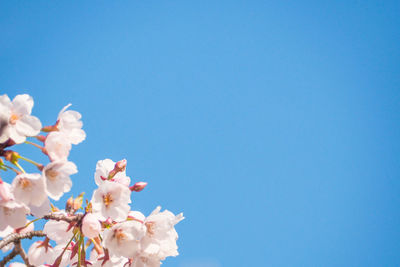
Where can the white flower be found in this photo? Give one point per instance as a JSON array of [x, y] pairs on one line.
[[136, 215], [3, 233], [16, 121], [29, 188], [103, 168], [91, 226], [16, 264], [6, 231], [142, 261], [39, 254], [66, 258], [57, 179], [13, 214], [123, 239], [58, 231], [70, 124], [113, 261], [111, 200], [161, 236], [5, 191], [40, 211], [57, 146]]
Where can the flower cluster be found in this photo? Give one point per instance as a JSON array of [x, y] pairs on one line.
[[102, 231]]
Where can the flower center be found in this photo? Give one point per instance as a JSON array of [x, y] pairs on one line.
[[13, 118], [51, 174], [7, 211], [107, 199], [150, 227], [119, 235], [25, 183]]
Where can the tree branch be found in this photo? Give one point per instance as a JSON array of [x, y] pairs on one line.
[[8, 257], [16, 237], [62, 217], [22, 253]]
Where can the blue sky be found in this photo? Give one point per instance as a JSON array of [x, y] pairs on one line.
[[273, 125]]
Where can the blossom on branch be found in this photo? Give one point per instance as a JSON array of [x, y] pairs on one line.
[[105, 225]]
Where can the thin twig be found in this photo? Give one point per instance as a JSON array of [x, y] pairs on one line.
[[9, 257], [16, 237], [62, 217], [22, 253]]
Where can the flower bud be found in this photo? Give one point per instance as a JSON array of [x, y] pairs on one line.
[[108, 223], [78, 202], [120, 166], [91, 226], [69, 205], [139, 186], [11, 156]]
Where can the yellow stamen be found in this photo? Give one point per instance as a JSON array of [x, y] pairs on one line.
[[51, 174], [25, 183], [107, 199], [14, 118]]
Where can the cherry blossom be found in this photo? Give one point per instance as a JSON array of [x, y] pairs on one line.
[[123, 239], [57, 146], [40, 253], [12, 213], [91, 226], [5, 191], [105, 225], [69, 123], [16, 121], [57, 178], [59, 231], [105, 167], [29, 188], [111, 200]]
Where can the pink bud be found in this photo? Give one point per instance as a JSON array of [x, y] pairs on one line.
[[120, 166], [139, 186], [91, 226], [108, 222]]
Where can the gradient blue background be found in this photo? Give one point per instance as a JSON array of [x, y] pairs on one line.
[[273, 125]]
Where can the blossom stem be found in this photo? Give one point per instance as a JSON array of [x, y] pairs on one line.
[[79, 250], [40, 166], [66, 246], [35, 220], [13, 169], [19, 166], [33, 144]]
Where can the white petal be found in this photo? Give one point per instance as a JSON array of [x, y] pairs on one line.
[[22, 104], [40, 211], [28, 125], [15, 136], [5, 101]]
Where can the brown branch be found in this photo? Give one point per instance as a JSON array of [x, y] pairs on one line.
[[62, 217], [14, 237], [22, 253], [9, 257]]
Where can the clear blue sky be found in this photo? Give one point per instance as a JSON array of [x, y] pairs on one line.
[[273, 125]]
